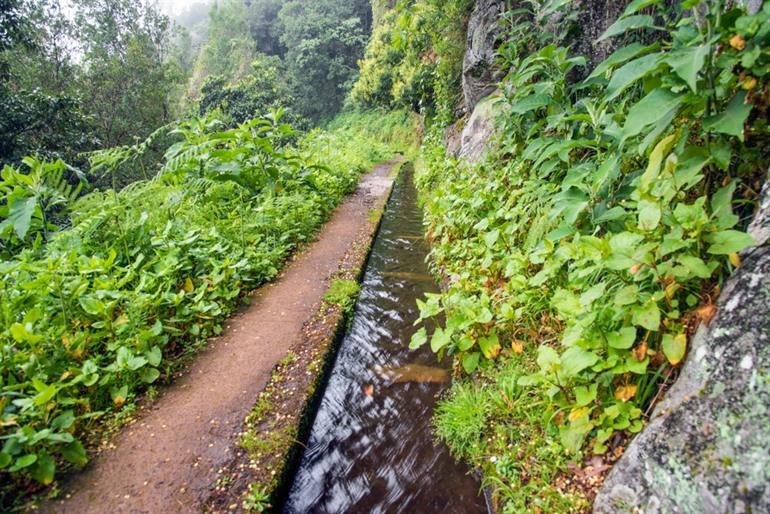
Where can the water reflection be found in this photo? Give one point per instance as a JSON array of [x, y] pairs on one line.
[[370, 449]]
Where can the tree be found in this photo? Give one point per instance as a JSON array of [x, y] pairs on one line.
[[39, 97], [324, 41], [128, 79], [256, 95], [265, 25]]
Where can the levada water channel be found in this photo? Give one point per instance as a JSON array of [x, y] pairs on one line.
[[370, 448]]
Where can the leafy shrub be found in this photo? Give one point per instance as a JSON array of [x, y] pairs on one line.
[[414, 59], [605, 215], [144, 275]]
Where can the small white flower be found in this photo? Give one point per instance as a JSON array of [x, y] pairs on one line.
[[493, 459]]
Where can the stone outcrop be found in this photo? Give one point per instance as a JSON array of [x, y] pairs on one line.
[[707, 446], [480, 76], [474, 139]]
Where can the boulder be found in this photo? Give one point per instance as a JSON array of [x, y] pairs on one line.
[[706, 448], [480, 76]]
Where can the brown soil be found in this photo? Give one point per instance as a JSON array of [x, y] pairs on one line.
[[167, 460]]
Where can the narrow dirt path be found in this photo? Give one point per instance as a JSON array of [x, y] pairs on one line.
[[167, 460]]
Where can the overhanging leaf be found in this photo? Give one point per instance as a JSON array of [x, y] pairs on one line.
[[20, 215], [733, 118], [649, 109], [687, 63], [623, 25]]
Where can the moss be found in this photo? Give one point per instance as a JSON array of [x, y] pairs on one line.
[[343, 292]]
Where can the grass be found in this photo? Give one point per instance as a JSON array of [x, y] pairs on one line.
[[506, 431], [343, 292]]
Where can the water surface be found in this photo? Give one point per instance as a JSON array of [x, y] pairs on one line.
[[370, 449]]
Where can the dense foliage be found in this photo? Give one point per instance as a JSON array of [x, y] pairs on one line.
[[93, 314], [414, 58], [82, 75], [316, 43], [584, 250]]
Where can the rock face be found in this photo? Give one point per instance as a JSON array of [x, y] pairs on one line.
[[707, 446], [474, 139], [593, 18], [480, 77]]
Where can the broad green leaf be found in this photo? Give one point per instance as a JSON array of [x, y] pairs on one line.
[[63, 420], [649, 109], [44, 469], [20, 215], [490, 238], [728, 241], [92, 305], [649, 215], [638, 5], [688, 62], [439, 339], [471, 362], [722, 206], [5, 460], [530, 103], [622, 339], [647, 316], [576, 359], [149, 375], [547, 357], [732, 120], [490, 346], [674, 347], [418, 339], [23, 462], [567, 303], [154, 356], [695, 265], [623, 25], [75, 453], [619, 56], [627, 295], [630, 73], [585, 394]]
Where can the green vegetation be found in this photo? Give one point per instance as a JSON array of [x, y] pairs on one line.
[[343, 293], [584, 248], [98, 307], [414, 59]]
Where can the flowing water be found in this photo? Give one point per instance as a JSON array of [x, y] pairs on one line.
[[370, 448]]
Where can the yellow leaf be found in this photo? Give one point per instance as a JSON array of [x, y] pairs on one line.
[[735, 259], [517, 348], [119, 401], [675, 347], [578, 413], [749, 83], [738, 42], [189, 287], [625, 393]]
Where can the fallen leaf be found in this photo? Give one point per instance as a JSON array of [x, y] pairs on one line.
[[369, 390], [517, 348], [640, 352], [706, 313], [625, 393], [738, 42]]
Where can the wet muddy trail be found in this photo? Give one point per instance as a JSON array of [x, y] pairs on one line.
[[370, 448]]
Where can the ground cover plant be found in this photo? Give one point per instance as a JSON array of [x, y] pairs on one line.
[[581, 254], [102, 293]]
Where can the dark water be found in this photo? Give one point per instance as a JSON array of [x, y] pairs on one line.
[[370, 449]]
